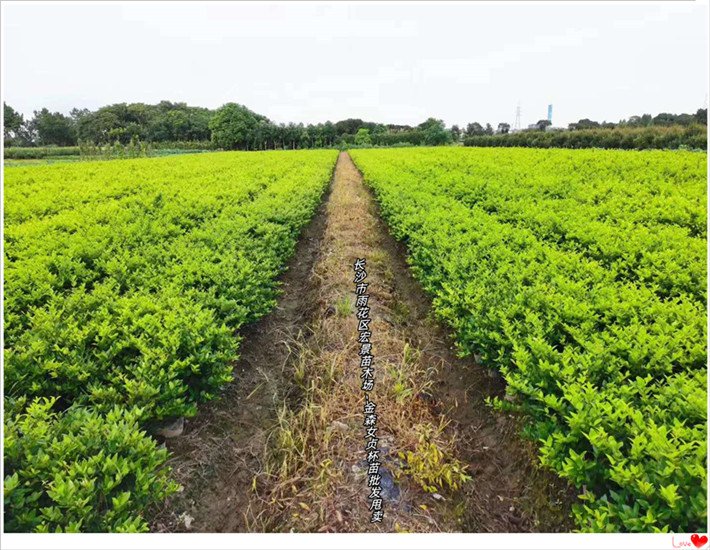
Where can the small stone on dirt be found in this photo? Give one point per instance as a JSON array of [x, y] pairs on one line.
[[187, 519], [390, 490], [386, 442], [171, 428], [424, 396], [339, 426], [437, 496]]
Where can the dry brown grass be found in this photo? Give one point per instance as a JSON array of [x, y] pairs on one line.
[[283, 449], [313, 478]]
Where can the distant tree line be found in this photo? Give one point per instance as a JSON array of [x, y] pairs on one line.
[[234, 126], [121, 123], [618, 137], [663, 131], [644, 121]]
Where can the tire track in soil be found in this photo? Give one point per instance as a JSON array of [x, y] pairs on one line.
[[228, 444]]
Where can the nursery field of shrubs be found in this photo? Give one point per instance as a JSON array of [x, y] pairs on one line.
[[581, 277], [126, 283]]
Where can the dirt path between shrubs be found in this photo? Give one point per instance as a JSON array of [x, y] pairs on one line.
[[283, 448]]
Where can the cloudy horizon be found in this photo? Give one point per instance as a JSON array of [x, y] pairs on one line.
[[387, 62]]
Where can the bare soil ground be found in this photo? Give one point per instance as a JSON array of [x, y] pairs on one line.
[[283, 449]]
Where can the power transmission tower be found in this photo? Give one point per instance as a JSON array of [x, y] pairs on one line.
[[516, 126]]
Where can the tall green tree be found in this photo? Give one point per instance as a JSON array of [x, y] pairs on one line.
[[586, 124], [362, 137], [435, 132], [53, 128], [329, 134], [13, 129], [474, 129], [233, 126]]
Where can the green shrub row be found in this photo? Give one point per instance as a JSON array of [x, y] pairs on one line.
[[654, 137], [79, 470], [108, 151], [125, 284], [17, 153], [580, 275]]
